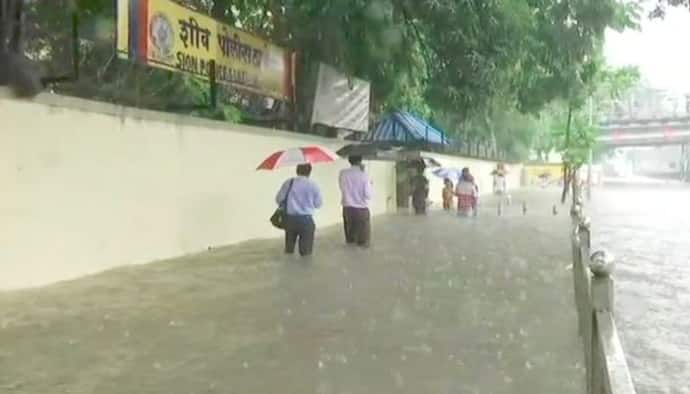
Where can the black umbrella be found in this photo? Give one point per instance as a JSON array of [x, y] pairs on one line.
[[423, 162], [366, 150]]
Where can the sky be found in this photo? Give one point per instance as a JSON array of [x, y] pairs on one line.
[[659, 50]]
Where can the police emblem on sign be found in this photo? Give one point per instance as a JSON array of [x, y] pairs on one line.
[[162, 36]]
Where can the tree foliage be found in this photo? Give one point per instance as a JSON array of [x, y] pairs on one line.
[[608, 85], [659, 10], [478, 68]]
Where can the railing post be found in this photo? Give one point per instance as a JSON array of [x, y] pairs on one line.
[[581, 248], [576, 211], [581, 280], [601, 265]]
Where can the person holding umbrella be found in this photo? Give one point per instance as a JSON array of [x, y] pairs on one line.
[[449, 176], [298, 197], [420, 191], [301, 197], [356, 192]]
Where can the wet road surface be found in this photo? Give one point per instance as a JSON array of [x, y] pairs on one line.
[[439, 304], [647, 228]]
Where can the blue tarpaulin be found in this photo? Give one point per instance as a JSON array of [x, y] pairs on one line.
[[404, 127]]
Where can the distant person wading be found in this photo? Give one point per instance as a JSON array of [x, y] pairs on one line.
[[356, 191], [447, 194], [420, 192], [303, 198], [467, 192]]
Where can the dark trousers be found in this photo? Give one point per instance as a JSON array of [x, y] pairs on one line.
[[357, 225], [419, 204], [299, 228]]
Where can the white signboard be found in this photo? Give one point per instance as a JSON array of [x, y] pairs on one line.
[[340, 101]]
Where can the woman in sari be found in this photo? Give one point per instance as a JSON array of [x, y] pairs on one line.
[[468, 194]]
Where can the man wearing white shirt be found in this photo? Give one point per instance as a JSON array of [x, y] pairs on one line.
[[356, 190]]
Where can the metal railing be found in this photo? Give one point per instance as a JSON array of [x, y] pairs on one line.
[[607, 368]]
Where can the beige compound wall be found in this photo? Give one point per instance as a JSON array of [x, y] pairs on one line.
[[87, 186]]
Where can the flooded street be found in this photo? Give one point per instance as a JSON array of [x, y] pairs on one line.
[[648, 229], [440, 304]]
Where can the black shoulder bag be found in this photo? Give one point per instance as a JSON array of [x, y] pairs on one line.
[[279, 216]]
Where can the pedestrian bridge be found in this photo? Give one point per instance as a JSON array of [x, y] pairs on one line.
[[645, 132], [439, 304]]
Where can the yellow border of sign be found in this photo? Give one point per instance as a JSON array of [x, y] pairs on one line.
[[242, 59]]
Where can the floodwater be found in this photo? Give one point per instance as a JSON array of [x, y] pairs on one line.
[[648, 230], [439, 304]]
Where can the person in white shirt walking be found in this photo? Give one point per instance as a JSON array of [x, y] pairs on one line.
[[356, 190]]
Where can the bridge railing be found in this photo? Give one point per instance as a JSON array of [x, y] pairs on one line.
[[607, 368]]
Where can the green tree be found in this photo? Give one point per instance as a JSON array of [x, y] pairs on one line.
[[572, 129], [479, 68]]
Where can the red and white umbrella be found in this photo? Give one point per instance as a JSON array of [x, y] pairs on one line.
[[295, 156]]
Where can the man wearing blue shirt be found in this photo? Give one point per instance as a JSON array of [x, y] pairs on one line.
[[303, 199]]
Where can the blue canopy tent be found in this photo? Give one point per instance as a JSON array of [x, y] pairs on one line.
[[407, 129]]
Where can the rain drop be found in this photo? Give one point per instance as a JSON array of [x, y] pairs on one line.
[[399, 381], [323, 388]]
